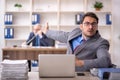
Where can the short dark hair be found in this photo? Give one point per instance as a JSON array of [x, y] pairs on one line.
[[90, 14]]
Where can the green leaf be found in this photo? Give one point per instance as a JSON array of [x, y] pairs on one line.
[[98, 4]]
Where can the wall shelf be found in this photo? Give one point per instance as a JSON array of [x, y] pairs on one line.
[[60, 14]]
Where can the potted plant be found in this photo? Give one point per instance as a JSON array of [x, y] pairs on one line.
[[18, 6], [98, 5]]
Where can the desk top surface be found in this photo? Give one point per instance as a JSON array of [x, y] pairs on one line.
[[35, 76], [34, 48]]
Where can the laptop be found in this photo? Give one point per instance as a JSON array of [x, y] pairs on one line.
[[56, 65]]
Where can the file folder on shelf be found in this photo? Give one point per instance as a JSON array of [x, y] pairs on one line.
[[5, 19], [78, 18], [9, 33], [35, 18], [108, 19], [8, 19]]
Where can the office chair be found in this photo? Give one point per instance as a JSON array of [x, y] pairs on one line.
[[51, 42]]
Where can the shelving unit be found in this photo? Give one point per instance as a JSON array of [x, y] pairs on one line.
[[60, 14], [21, 22]]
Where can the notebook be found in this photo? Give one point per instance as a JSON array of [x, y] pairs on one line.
[[56, 65]]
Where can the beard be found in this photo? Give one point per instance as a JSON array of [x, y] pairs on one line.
[[89, 33]]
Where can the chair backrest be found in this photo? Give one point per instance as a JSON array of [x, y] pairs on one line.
[[51, 42]]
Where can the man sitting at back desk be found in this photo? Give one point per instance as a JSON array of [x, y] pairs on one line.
[[38, 38]]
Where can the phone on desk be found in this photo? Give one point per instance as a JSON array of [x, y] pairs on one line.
[[80, 74]]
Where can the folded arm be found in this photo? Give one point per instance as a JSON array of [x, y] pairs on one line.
[[102, 61]]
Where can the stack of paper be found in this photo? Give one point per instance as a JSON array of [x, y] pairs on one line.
[[14, 70]]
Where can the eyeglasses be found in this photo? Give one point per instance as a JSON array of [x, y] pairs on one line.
[[94, 24]]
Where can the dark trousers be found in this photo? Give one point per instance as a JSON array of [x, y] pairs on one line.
[[29, 65]]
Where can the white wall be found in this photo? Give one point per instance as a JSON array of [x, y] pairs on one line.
[[116, 32], [1, 27]]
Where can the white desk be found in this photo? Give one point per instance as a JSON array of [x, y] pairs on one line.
[[35, 76]]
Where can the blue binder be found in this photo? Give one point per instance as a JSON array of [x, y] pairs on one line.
[[8, 19], [108, 19], [9, 33], [34, 63], [35, 18], [5, 19], [78, 18]]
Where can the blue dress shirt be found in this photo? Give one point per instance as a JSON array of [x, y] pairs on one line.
[[77, 41]]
